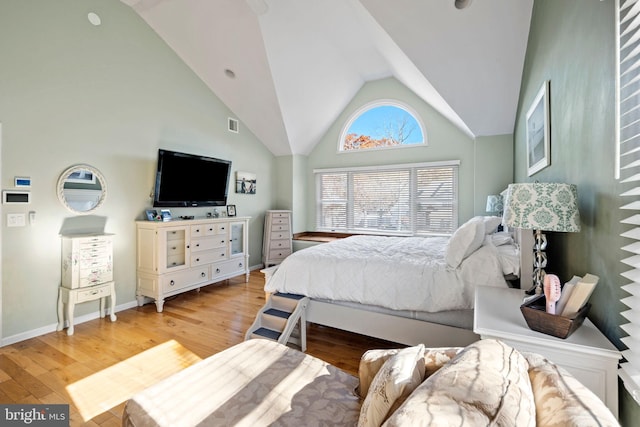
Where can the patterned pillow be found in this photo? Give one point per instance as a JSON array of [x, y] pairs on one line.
[[485, 384], [435, 358], [370, 363], [561, 400], [395, 380]]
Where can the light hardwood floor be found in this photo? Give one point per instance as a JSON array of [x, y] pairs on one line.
[[101, 353]]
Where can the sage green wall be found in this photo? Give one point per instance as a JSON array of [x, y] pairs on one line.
[[490, 179], [109, 96], [572, 44], [445, 142]]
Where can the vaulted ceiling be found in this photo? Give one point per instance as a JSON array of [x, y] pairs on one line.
[[287, 68]]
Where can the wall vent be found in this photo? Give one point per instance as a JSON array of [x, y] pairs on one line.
[[233, 125]]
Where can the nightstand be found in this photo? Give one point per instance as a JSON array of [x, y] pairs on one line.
[[587, 354]]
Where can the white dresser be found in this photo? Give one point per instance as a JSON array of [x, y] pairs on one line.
[[87, 275], [181, 255], [277, 241], [587, 353]]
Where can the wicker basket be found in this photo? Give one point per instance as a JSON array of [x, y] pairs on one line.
[[539, 320]]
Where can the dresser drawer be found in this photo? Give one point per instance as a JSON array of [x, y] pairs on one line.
[[280, 244], [207, 257], [279, 235], [226, 268], [281, 227], [97, 261], [279, 253], [207, 243], [93, 293], [280, 221], [208, 229], [177, 281], [280, 215], [92, 277]]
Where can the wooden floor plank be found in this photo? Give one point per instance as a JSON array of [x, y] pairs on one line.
[[39, 370]]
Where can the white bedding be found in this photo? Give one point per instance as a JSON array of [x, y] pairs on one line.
[[400, 273]]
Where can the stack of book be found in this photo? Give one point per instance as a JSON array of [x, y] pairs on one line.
[[575, 294]]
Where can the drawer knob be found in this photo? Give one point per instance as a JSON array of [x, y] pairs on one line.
[[197, 259], [197, 230], [172, 283], [202, 274], [239, 264], [197, 245], [217, 270]]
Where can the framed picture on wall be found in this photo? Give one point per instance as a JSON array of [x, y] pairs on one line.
[[538, 132], [231, 210]]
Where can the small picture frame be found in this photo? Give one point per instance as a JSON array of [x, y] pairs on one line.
[[165, 214], [231, 210], [151, 214]]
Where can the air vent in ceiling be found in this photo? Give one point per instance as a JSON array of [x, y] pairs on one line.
[[233, 125]]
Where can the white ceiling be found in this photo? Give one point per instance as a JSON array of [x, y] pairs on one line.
[[298, 63]]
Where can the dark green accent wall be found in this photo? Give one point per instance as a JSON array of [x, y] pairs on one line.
[[572, 44]]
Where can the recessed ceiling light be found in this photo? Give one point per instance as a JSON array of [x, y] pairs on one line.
[[229, 73], [461, 4], [94, 19]]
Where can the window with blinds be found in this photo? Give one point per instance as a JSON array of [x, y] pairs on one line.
[[628, 170], [417, 199]]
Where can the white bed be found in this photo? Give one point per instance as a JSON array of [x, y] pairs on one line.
[[404, 289]]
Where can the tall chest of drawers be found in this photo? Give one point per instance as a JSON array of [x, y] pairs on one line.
[[87, 275], [277, 241]]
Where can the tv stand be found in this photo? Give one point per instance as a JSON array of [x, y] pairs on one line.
[[179, 256]]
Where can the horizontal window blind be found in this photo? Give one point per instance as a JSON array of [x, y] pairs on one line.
[[628, 168], [405, 199]]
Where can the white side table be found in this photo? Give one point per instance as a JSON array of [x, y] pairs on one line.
[[71, 297], [587, 354]]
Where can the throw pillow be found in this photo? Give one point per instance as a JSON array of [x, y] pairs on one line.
[[487, 383], [464, 241], [395, 380], [370, 363]]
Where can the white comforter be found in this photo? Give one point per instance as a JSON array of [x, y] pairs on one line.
[[400, 273]]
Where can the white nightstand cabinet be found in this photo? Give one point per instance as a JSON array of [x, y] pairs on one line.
[[178, 256], [277, 240], [587, 354], [87, 275]]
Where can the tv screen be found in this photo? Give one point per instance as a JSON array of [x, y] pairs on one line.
[[188, 180]]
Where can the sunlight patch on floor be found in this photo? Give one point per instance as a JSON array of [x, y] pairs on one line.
[[103, 390]]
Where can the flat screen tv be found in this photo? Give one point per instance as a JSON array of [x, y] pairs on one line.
[[188, 180]]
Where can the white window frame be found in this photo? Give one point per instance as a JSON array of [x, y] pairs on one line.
[[627, 168], [376, 104], [413, 203]]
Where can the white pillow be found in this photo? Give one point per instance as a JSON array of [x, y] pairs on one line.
[[502, 238], [393, 383], [465, 241], [491, 223]]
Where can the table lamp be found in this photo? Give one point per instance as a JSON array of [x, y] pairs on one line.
[[495, 204], [542, 207]]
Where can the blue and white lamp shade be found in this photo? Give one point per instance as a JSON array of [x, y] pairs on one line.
[[542, 206], [495, 203]]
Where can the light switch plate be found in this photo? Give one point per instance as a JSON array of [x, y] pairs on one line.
[[16, 220]]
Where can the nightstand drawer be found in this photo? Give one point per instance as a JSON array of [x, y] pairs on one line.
[[91, 294]]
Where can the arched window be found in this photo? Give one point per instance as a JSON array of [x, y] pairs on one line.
[[382, 124]]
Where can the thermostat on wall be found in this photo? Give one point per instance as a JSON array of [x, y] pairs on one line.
[[22, 181], [16, 197]]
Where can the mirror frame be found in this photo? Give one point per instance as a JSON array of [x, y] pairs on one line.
[[63, 177]]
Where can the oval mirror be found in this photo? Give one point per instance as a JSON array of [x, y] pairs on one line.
[[82, 189]]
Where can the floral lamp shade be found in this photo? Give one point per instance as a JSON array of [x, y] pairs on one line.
[[495, 203], [542, 206]]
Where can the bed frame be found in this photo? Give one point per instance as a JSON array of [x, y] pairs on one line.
[[411, 331]]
